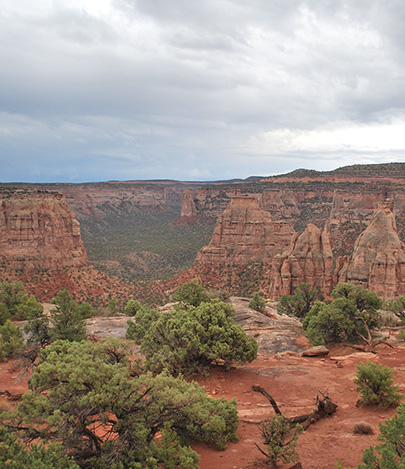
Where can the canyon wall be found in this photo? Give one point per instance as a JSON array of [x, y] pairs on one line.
[[155, 229], [38, 231], [270, 256]]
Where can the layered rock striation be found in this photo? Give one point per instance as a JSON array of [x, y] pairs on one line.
[[248, 249], [244, 234], [242, 248], [38, 231], [378, 259], [188, 211], [309, 259]]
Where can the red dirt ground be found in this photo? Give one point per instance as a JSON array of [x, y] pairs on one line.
[[294, 382]]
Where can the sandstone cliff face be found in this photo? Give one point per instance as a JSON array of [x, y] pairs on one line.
[[38, 231], [281, 204], [349, 216], [309, 259], [188, 211], [378, 260], [244, 234]]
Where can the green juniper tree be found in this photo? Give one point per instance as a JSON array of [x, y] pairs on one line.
[[137, 329], [11, 340], [257, 303], [300, 303], [83, 396], [351, 317], [191, 294], [66, 322], [391, 450], [375, 383], [190, 340], [15, 303]]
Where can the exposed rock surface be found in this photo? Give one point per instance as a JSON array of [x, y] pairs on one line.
[[245, 233], [38, 231], [309, 259], [274, 333], [249, 251], [129, 228], [378, 260], [318, 351], [188, 211], [243, 245]]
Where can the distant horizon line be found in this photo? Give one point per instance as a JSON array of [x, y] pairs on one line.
[[202, 181]]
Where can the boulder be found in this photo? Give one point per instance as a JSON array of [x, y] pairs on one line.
[[318, 351]]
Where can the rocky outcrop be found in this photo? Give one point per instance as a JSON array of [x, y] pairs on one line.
[[281, 204], [38, 231], [242, 248], [309, 259], [378, 259], [349, 216], [188, 213], [245, 234]]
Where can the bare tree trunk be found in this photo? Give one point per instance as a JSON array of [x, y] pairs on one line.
[[324, 408]]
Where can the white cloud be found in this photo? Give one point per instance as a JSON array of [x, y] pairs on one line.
[[344, 137]]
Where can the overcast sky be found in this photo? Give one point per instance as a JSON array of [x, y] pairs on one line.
[[94, 90]]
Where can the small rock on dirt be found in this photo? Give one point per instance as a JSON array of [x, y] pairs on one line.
[[318, 351]]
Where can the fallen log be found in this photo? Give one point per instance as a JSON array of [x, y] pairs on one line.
[[324, 408]]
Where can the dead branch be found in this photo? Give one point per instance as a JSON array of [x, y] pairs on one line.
[[267, 395], [273, 465], [10, 396], [324, 408]]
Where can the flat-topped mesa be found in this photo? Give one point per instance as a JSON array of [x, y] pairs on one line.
[[378, 259], [309, 259], [244, 235], [38, 231]]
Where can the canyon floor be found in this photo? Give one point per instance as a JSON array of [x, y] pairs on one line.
[[292, 380]]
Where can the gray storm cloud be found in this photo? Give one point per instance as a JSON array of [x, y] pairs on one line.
[[126, 89]]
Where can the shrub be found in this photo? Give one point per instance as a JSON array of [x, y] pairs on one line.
[[349, 318], [375, 383], [191, 294], [401, 335], [137, 329], [391, 450], [189, 341], [16, 304], [397, 307], [257, 303], [79, 388], [66, 320], [131, 307], [11, 340], [85, 310], [300, 303], [15, 455], [281, 439]]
